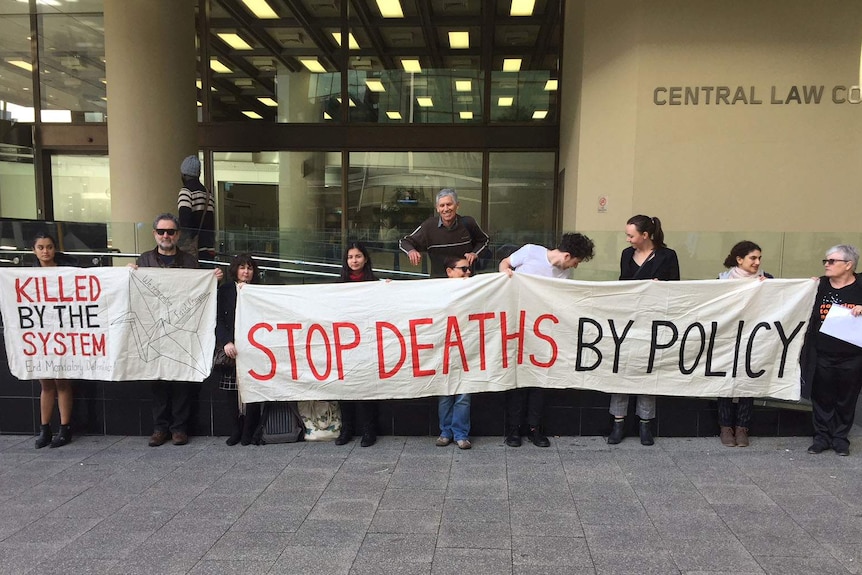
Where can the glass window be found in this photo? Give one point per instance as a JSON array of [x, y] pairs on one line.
[[17, 183], [16, 69], [521, 200], [82, 188]]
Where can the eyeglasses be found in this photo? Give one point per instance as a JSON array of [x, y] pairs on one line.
[[163, 231], [831, 262], [464, 269]]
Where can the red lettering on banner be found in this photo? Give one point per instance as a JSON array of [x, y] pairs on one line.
[[266, 351], [83, 289], [30, 348], [452, 328], [481, 318], [519, 335], [290, 328], [21, 291], [381, 365], [342, 347], [316, 327], [546, 338], [83, 344], [416, 347]]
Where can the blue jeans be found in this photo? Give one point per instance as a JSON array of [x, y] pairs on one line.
[[454, 413]]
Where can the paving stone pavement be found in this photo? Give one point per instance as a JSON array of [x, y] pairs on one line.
[[112, 505]]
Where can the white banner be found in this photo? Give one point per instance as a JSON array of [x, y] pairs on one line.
[[378, 340], [109, 324]]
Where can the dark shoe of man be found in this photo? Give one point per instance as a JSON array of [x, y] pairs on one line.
[[158, 438], [618, 431], [646, 432], [179, 438], [742, 437], [344, 437], [843, 450], [513, 439], [816, 448], [369, 438], [538, 438], [726, 436]]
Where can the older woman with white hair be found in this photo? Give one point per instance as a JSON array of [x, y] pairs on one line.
[[832, 370]]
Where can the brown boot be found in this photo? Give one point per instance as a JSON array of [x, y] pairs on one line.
[[727, 438], [742, 436]]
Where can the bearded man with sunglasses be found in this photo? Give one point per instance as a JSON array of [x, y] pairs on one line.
[[172, 400]]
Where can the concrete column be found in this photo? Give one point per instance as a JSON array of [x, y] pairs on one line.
[[150, 60]]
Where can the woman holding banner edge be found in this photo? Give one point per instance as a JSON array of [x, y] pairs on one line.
[[45, 248], [647, 257], [734, 420]]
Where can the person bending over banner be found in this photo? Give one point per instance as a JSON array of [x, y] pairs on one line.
[[646, 258], [734, 420], [171, 399], [539, 261], [454, 410], [446, 234], [361, 415], [831, 367], [45, 248], [243, 270]]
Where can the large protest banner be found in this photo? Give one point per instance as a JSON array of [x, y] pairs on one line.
[[110, 324], [379, 340]]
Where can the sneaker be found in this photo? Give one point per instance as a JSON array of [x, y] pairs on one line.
[[179, 438], [538, 438], [816, 448], [443, 441], [464, 444], [514, 437], [742, 437], [158, 438], [726, 436]]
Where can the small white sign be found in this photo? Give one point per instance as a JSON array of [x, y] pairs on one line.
[[603, 204]]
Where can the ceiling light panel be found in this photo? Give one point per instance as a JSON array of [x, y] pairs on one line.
[[522, 7], [511, 64], [352, 44], [465, 115], [268, 102], [234, 41], [551, 86], [540, 114], [260, 9], [21, 64], [218, 67], [463, 85], [252, 114], [375, 85], [392, 115], [313, 65], [505, 101], [390, 8], [459, 40], [411, 66], [425, 102]]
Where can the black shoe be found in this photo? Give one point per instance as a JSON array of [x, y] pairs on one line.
[[514, 437], [817, 448], [344, 437], [236, 435], [537, 438], [646, 432], [45, 436], [617, 432], [369, 438], [843, 451], [63, 436]]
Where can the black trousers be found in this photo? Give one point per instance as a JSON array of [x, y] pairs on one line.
[[359, 416], [524, 402], [735, 414], [837, 381], [172, 404]]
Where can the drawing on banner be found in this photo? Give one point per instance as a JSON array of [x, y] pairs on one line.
[[164, 329]]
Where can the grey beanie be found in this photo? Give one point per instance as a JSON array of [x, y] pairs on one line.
[[191, 166]]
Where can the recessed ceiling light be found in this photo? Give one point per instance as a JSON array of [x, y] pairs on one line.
[[352, 44], [511, 64], [350, 102], [21, 64], [522, 7], [268, 102], [199, 85], [424, 102], [465, 115], [326, 116], [218, 67], [463, 85], [260, 9], [313, 65], [375, 85], [200, 105], [459, 40], [505, 101], [393, 115], [411, 66], [234, 41], [390, 8], [540, 114], [551, 86], [252, 114]]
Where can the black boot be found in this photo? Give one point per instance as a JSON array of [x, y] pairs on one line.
[[345, 436], [249, 423], [538, 438], [513, 439], [236, 434], [369, 438], [63, 436], [44, 436], [617, 432], [646, 432]]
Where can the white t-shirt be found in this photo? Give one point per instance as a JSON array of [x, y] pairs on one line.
[[532, 259]]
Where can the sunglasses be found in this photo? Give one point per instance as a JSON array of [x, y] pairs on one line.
[[162, 231], [464, 269], [831, 262]]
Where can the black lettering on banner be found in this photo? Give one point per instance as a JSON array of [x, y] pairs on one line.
[[752, 374], [688, 330], [654, 345], [708, 371], [785, 342], [618, 341], [592, 345], [736, 346]]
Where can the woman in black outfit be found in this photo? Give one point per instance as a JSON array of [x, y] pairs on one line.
[[647, 258], [243, 270], [357, 415]]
